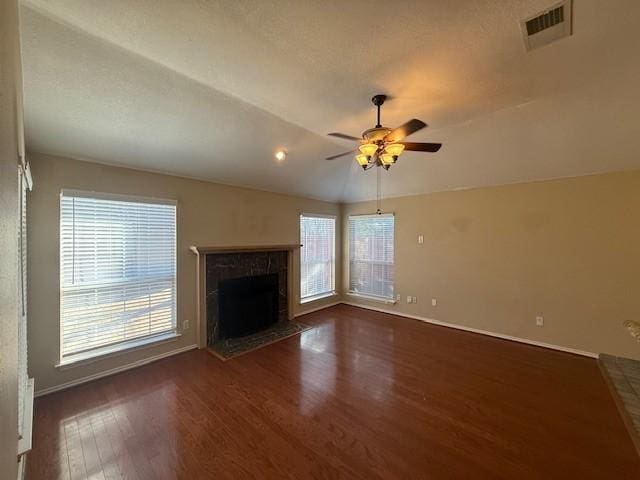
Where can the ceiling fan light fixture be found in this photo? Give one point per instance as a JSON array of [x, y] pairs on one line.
[[387, 159], [362, 160], [394, 149], [381, 146], [368, 149]]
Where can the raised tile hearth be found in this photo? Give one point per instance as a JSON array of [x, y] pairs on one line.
[[623, 378]]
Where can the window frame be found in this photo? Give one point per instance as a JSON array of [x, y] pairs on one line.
[[109, 350], [370, 296], [333, 291]]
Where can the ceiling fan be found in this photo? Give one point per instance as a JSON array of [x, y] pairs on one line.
[[381, 146]]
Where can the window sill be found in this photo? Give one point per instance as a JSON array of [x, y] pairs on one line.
[[88, 357], [386, 301], [318, 297]]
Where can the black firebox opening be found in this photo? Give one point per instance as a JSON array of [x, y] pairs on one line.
[[247, 305]]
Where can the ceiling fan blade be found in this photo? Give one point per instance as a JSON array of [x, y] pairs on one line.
[[412, 126], [346, 137], [421, 147], [333, 157]]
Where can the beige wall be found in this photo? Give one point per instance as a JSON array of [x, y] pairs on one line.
[[10, 121], [208, 214], [495, 258]]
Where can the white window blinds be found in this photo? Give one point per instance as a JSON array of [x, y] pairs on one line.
[[317, 256], [117, 272], [371, 255], [22, 322]]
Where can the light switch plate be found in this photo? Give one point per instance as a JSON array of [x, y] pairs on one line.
[[420, 239]]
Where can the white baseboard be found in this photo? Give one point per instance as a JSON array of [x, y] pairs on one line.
[[147, 360], [112, 371], [311, 310], [477, 330]]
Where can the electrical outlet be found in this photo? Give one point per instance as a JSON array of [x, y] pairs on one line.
[[185, 325], [414, 299], [420, 239], [398, 298], [539, 321], [409, 299], [434, 302]]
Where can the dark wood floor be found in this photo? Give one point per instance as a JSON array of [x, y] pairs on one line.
[[361, 395]]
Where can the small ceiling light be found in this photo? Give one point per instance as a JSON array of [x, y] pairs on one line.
[[387, 159], [368, 149], [394, 149], [362, 160], [280, 155]]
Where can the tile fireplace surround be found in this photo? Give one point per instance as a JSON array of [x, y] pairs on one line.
[[224, 262]]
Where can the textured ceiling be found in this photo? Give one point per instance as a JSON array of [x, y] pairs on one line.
[[210, 89]]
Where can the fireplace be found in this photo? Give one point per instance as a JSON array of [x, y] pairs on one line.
[[219, 264], [247, 305]]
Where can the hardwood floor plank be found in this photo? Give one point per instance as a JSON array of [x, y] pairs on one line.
[[49, 432], [77, 467], [362, 395]]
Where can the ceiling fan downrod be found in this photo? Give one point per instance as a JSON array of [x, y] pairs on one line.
[[378, 100]]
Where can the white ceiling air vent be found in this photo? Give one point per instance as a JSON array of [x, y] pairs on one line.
[[552, 24]]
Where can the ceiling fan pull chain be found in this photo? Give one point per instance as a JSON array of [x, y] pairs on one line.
[[378, 191]]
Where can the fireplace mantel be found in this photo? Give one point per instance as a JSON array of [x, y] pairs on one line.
[[243, 248], [201, 287]]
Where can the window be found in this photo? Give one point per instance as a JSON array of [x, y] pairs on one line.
[[317, 256], [371, 255], [24, 384], [117, 273]]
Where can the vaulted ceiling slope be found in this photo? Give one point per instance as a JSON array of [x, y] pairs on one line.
[[211, 89]]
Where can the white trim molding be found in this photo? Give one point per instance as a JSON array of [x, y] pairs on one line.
[[477, 330], [316, 309], [112, 371], [22, 467], [315, 298], [371, 298], [26, 436], [119, 349]]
